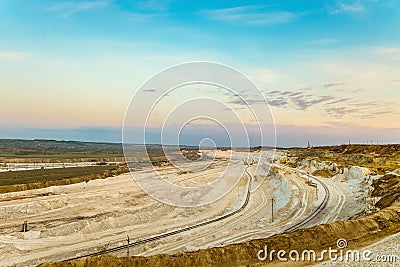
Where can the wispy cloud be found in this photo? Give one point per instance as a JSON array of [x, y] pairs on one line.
[[391, 53], [338, 101], [253, 15], [325, 41], [298, 100], [388, 50], [154, 5], [143, 17], [333, 106], [264, 75], [248, 101], [67, 9], [327, 85], [14, 55], [359, 108], [359, 111], [348, 6], [149, 90]]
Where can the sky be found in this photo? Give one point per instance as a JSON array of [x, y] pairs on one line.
[[330, 70]]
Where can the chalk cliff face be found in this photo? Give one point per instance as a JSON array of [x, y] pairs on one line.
[[279, 188], [356, 175], [380, 191]]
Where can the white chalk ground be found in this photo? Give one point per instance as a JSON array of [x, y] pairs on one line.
[[349, 189], [5, 167], [66, 221]]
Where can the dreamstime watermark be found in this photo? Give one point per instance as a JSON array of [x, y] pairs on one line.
[[205, 103], [338, 254]]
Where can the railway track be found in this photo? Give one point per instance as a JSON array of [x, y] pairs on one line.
[[220, 218], [316, 211], [174, 232]]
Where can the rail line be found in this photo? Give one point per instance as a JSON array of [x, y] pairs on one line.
[[316, 211], [174, 232], [220, 218]]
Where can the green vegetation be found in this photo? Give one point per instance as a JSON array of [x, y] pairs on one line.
[[379, 158], [23, 151], [15, 148], [45, 175], [34, 179]]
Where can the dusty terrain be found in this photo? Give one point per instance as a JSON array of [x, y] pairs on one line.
[[358, 233], [72, 220]]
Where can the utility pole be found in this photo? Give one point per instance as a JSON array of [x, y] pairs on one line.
[[272, 209], [316, 191], [25, 226], [127, 239]]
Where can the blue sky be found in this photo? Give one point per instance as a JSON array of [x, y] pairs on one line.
[[330, 69]]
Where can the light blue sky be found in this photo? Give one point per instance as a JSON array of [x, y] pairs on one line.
[[330, 69]]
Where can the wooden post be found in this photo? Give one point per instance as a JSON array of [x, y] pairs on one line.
[[25, 227], [127, 239], [272, 209]]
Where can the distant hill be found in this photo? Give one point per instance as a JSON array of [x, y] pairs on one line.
[[56, 149], [52, 148]]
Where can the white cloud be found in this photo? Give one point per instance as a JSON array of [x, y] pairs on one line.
[[154, 5], [326, 41], [250, 15], [353, 6], [264, 75], [391, 53], [389, 50], [362, 74], [13, 55], [70, 8]]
